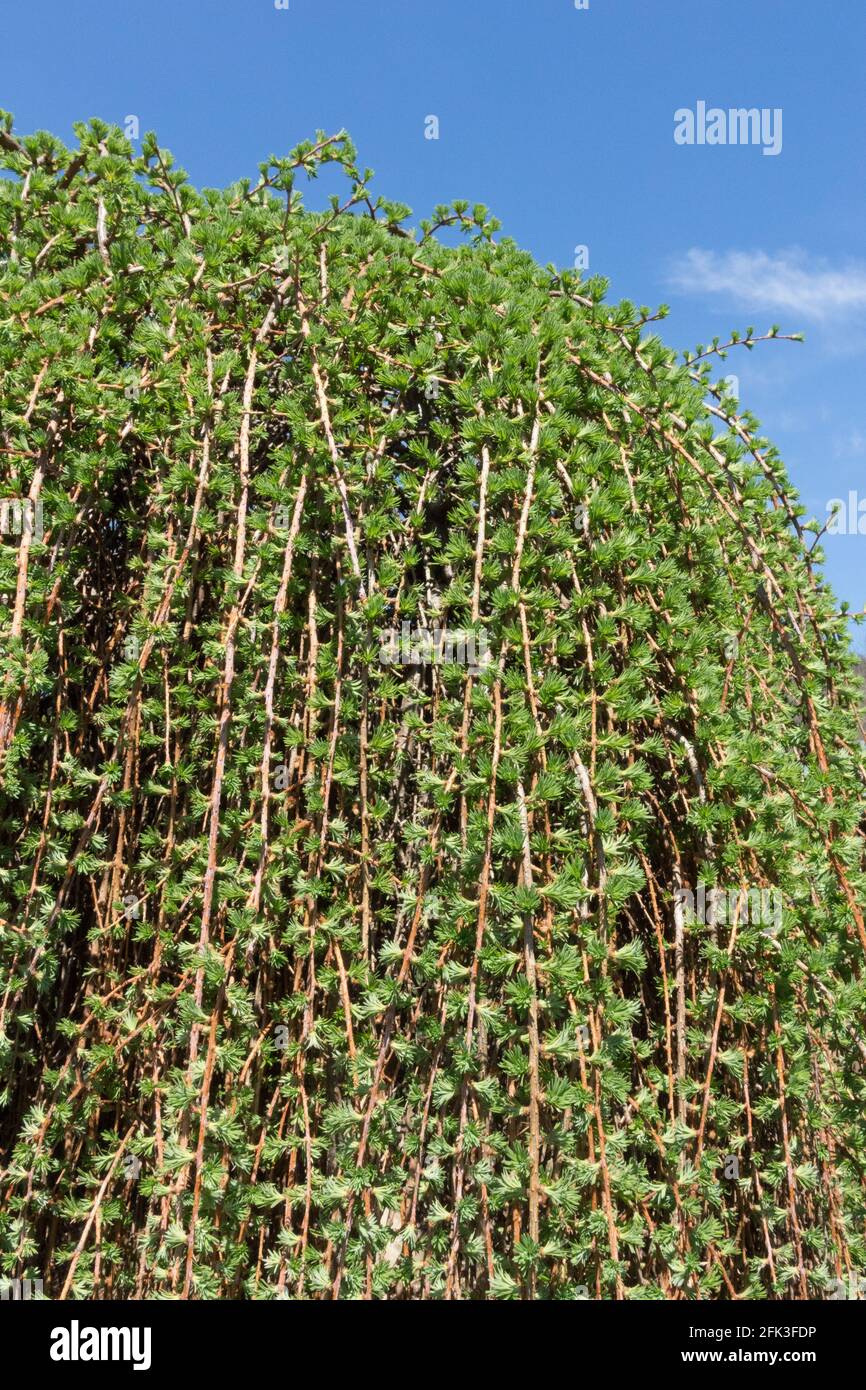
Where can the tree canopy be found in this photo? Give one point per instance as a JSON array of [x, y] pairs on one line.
[[325, 974]]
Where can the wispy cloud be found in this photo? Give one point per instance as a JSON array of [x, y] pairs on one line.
[[803, 286], [850, 445]]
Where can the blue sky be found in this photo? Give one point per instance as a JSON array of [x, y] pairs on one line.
[[562, 122]]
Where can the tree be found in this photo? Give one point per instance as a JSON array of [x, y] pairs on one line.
[[337, 964]]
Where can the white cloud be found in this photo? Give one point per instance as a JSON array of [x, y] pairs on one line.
[[806, 287]]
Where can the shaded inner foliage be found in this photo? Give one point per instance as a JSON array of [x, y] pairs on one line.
[[328, 976]]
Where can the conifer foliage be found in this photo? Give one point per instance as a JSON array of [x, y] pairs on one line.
[[327, 973]]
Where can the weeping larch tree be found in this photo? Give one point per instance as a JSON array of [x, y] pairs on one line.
[[335, 965]]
